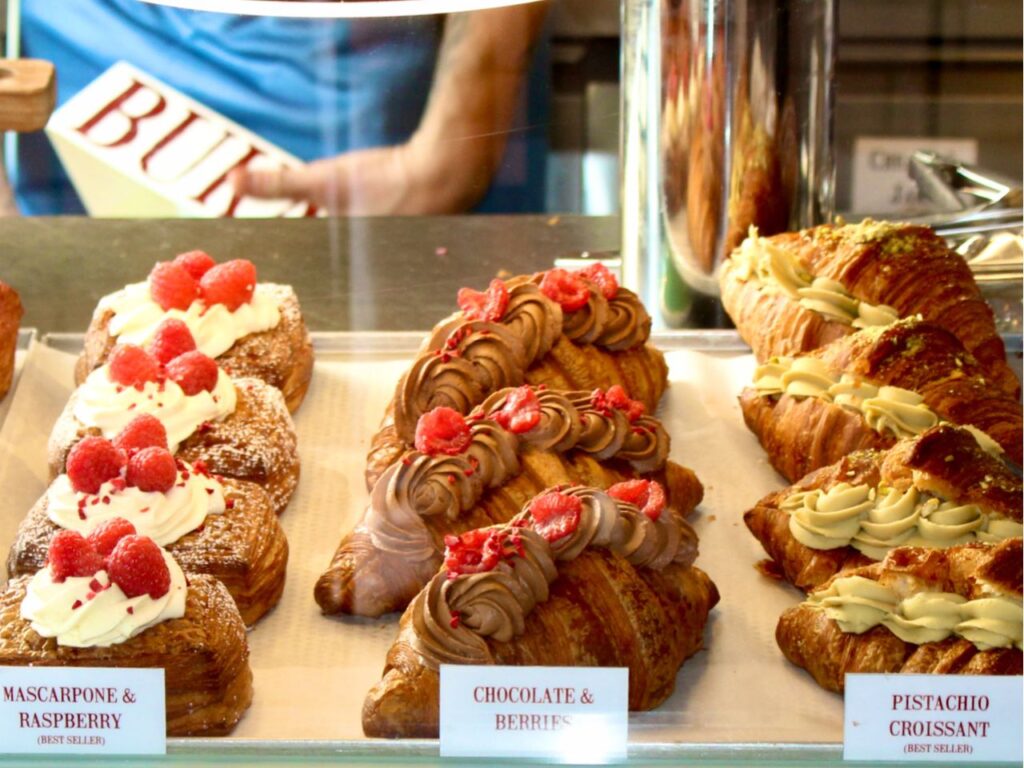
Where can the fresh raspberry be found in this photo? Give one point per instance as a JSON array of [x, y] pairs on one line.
[[602, 277], [488, 305], [196, 263], [617, 398], [72, 555], [521, 411], [171, 338], [648, 495], [171, 286], [144, 431], [474, 551], [132, 366], [152, 469], [565, 288], [137, 566], [442, 430], [194, 372], [230, 284], [91, 462], [104, 537], [555, 514]]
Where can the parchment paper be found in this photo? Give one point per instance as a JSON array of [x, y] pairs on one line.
[[311, 672]]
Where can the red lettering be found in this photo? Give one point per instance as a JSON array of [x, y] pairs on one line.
[[133, 120], [171, 136], [499, 722]]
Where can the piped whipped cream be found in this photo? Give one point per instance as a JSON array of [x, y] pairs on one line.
[[759, 259], [214, 327], [92, 611], [857, 604], [109, 406], [164, 517]]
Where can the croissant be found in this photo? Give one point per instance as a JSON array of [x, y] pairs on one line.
[[797, 291], [939, 489], [865, 390], [955, 612], [578, 579], [598, 339], [576, 438]]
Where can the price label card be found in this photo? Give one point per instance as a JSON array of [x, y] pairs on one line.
[[571, 714], [960, 718], [96, 711]]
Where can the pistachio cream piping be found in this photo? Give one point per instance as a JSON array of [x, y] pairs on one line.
[[857, 604], [759, 259], [886, 409], [874, 520]]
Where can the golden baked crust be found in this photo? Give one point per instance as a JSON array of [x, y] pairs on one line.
[[255, 443], [244, 548], [804, 434], [907, 267], [602, 611], [811, 640], [281, 356], [946, 460], [10, 320], [205, 655]]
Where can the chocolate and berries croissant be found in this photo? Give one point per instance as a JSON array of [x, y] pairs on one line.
[[926, 611], [252, 329], [121, 601], [469, 473], [238, 428], [937, 490], [798, 291], [579, 578], [868, 390], [566, 330]]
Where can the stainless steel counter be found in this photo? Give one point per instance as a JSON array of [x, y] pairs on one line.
[[383, 274]]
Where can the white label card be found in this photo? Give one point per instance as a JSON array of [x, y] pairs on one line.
[[569, 714], [960, 718], [97, 711]]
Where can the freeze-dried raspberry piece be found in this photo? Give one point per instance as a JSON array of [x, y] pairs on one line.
[[617, 398], [474, 551], [171, 286], [131, 366], [194, 372], [171, 338], [565, 288], [555, 514], [442, 430], [71, 554], [137, 566], [91, 462], [231, 284], [648, 495], [489, 305], [144, 431], [104, 537], [520, 412], [196, 263], [152, 469], [602, 277]]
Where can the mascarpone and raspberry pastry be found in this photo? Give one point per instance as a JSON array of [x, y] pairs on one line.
[[581, 577], [10, 320], [870, 389], [116, 599], [238, 428], [938, 490], [214, 525], [252, 329], [568, 330], [950, 611], [797, 291], [469, 472]]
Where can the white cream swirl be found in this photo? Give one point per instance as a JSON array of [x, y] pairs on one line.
[[858, 604], [109, 406], [163, 517], [80, 616], [215, 328]]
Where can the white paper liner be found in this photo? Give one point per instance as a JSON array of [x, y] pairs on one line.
[[311, 673]]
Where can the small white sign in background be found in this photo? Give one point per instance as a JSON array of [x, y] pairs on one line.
[[97, 711], [570, 714], [960, 718]]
